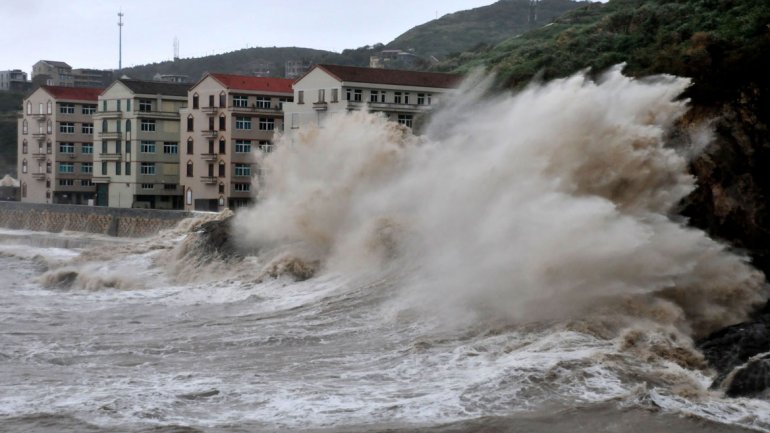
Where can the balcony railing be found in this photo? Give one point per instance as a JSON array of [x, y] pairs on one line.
[[38, 176], [157, 114], [320, 106], [39, 155], [210, 133], [108, 115], [39, 116], [209, 180], [255, 109], [100, 179], [209, 156], [210, 110], [110, 156], [39, 136]]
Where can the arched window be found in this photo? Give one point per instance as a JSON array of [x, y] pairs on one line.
[[104, 125], [195, 101], [29, 107], [189, 169], [188, 197], [222, 122], [24, 126], [24, 146], [128, 125], [24, 166], [24, 189], [222, 99], [190, 123], [222, 145], [221, 188], [49, 107], [221, 201], [49, 127], [190, 148], [221, 169]]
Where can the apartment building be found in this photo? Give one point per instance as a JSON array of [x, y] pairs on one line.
[[52, 73], [136, 161], [401, 96], [14, 80], [227, 117], [55, 145]]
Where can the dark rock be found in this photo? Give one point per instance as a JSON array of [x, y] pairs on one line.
[[749, 380], [216, 237]]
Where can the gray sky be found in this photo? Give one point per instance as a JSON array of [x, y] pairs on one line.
[[84, 33]]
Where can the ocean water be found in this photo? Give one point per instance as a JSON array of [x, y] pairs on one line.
[[518, 268]]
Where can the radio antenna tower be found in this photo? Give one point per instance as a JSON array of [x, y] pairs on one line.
[[176, 49], [120, 40]]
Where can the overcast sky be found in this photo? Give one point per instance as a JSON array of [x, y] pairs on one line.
[[84, 33]]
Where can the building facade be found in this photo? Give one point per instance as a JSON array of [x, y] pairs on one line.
[[14, 80], [226, 119], [329, 90], [136, 161], [55, 145], [52, 73]]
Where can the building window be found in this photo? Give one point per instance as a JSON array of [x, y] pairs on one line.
[[243, 123], [188, 196], [24, 146], [49, 128], [117, 168], [374, 96], [406, 97], [355, 95], [147, 125], [405, 119], [66, 148], [189, 169], [128, 105], [67, 108], [48, 147], [240, 101], [222, 122], [195, 104], [117, 147], [128, 125], [221, 169], [147, 146], [242, 146], [189, 123], [190, 147], [48, 167], [88, 109], [211, 124], [87, 148], [104, 147], [67, 128], [335, 95], [242, 187], [145, 105], [221, 188], [222, 146], [263, 102], [117, 104], [147, 168], [87, 128], [423, 99], [266, 124], [29, 107], [87, 167], [48, 108], [170, 148], [86, 182], [104, 168], [128, 169], [66, 167], [104, 105], [24, 126], [148, 186], [300, 96], [242, 170], [24, 166], [265, 146], [66, 182], [105, 126], [321, 95], [397, 97], [222, 99]]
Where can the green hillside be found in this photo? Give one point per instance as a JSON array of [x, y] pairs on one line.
[[465, 30], [10, 105]]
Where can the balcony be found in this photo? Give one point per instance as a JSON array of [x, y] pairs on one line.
[[39, 176], [173, 115], [110, 135], [39, 116], [39, 136], [100, 179], [209, 156], [210, 133], [108, 115], [210, 110], [209, 180], [39, 155], [272, 110], [110, 156], [320, 106]]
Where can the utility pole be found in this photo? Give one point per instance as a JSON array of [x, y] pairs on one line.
[[120, 41]]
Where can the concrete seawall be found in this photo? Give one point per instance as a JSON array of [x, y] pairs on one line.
[[89, 219]]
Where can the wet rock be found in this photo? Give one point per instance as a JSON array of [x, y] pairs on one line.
[[199, 395], [751, 379], [217, 237]]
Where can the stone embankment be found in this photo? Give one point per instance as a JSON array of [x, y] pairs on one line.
[[89, 219]]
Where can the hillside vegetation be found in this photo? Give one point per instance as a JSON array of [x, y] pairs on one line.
[[10, 105], [466, 30]]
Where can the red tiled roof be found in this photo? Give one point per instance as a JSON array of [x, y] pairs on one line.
[[246, 82], [392, 76], [76, 93]]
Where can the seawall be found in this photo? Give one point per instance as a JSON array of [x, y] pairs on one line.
[[89, 219]]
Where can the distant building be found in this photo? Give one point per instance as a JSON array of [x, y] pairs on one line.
[[14, 80], [91, 78], [136, 160], [227, 117], [329, 90], [394, 59], [294, 69], [263, 68], [55, 145], [171, 78], [52, 73]]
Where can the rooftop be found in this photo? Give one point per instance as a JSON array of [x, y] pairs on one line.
[[247, 82], [355, 74], [142, 87], [75, 93]]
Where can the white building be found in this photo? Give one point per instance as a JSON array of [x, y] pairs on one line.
[[327, 90]]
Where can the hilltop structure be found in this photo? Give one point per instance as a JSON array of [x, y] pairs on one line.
[[55, 145], [227, 117]]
